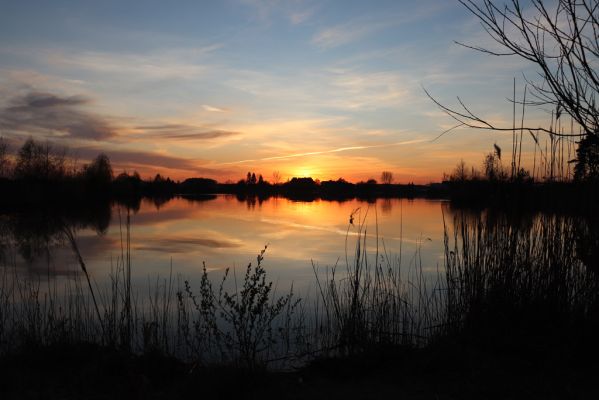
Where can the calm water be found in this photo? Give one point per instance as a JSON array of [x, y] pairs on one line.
[[225, 232]]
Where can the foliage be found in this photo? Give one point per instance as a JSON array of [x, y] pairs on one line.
[[240, 326], [37, 161], [587, 159], [460, 173], [98, 173], [387, 177]]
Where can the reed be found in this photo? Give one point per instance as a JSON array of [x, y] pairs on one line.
[[505, 280], [511, 280], [375, 301]]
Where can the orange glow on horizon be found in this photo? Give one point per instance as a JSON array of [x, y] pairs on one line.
[[401, 175]]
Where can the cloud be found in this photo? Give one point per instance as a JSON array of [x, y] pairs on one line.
[[296, 12], [182, 132], [370, 90], [361, 27], [134, 158], [346, 33], [185, 244], [48, 113], [148, 162], [210, 108], [173, 64], [337, 150], [40, 100], [299, 17]]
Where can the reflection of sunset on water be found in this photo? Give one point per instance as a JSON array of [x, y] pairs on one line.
[[224, 232]]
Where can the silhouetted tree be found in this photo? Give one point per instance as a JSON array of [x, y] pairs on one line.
[[587, 159], [276, 177], [387, 177], [39, 162], [459, 174], [126, 185], [560, 39], [198, 185], [99, 172], [4, 161]]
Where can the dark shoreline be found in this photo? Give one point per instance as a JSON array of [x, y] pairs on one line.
[[476, 194]]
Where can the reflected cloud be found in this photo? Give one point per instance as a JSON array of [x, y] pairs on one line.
[[174, 244]]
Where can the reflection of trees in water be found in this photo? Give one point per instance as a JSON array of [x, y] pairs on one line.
[[386, 206], [251, 200], [563, 236], [33, 232]]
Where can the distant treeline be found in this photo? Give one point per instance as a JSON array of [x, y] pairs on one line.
[[41, 173], [308, 188]]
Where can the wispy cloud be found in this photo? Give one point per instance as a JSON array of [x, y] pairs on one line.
[[370, 89], [299, 17], [50, 114], [314, 153], [362, 27], [184, 244], [183, 63], [346, 33], [264, 10], [210, 108], [180, 132], [134, 158]]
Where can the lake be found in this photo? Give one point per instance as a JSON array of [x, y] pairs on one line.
[[223, 232], [437, 266]]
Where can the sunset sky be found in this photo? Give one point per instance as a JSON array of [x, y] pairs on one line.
[[195, 88]]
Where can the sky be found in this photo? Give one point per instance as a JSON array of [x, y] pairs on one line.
[[328, 89]]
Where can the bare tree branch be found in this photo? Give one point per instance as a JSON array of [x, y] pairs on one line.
[[561, 38]]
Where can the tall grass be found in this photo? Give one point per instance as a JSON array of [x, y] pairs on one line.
[[509, 279], [375, 301], [512, 279]]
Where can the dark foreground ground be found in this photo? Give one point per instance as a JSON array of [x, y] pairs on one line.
[[441, 371]]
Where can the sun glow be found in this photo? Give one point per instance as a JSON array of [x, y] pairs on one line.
[[304, 172]]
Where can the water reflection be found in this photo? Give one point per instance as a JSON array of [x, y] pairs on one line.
[[33, 237], [228, 230], [568, 234], [224, 231]]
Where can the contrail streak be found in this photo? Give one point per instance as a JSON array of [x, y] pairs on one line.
[[315, 153]]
